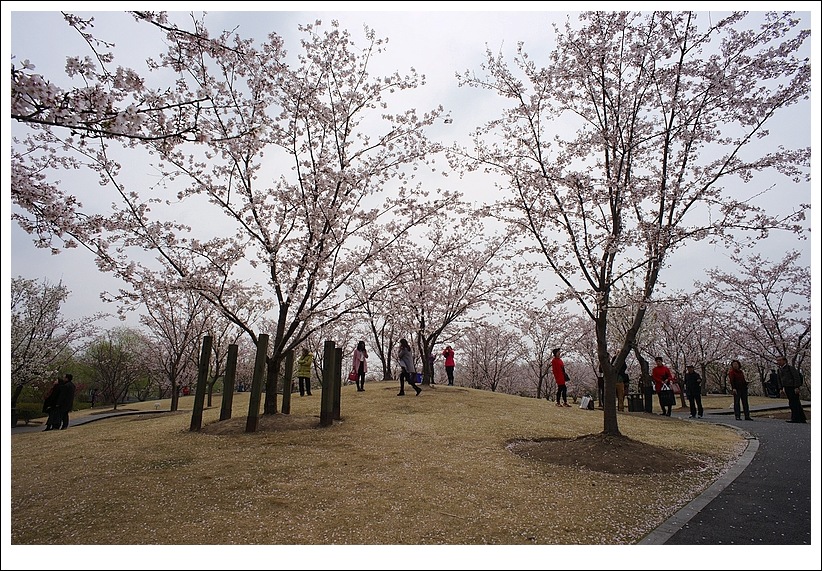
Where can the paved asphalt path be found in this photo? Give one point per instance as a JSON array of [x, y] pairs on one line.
[[765, 499]]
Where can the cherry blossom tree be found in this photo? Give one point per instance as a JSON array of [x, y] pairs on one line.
[[42, 340], [543, 330], [277, 177], [491, 353], [176, 320], [447, 274], [642, 135], [379, 310], [766, 308], [115, 361]]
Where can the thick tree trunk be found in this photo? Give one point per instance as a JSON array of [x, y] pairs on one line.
[[272, 374], [16, 395]]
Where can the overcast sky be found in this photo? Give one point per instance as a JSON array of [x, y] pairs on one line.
[[437, 38]]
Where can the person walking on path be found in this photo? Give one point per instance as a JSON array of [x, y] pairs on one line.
[[662, 376], [65, 399], [360, 364], [448, 353], [408, 373], [739, 387], [304, 363], [693, 386], [789, 383], [561, 378], [50, 406]]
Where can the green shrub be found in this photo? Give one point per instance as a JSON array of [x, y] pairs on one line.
[[26, 411]]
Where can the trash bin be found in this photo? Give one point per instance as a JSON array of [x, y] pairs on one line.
[[635, 402], [649, 398], [419, 378]]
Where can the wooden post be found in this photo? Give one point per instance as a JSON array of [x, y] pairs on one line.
[[202, 379], [228, 382], [327, 398], [287, 380], [257, 384], [335, 409]]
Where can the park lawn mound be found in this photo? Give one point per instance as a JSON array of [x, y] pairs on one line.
[[605, 453]]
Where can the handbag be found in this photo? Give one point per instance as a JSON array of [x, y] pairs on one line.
[[352, 376], [666, 395]]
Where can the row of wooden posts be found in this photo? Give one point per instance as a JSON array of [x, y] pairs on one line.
[[331, 384]]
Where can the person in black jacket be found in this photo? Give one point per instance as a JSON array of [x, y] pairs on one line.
[[65, 399], [693, 386], [50, 406], [790, 381]]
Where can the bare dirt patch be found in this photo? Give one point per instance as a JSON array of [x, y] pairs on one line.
[[604, 453], [266, 423]]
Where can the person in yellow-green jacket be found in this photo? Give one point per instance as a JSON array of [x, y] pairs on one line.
[[304, 372]]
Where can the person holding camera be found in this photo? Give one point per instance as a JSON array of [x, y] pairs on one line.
[[448, 353]]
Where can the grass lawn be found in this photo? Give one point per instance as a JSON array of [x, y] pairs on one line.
[[430, 470]]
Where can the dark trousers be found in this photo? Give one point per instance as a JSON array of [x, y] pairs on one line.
[[797, 414], [666, 408], [361, 379], [695, 399], [64, 419], [741, 395], [562, 391], [54, 419], [450, 372], [411, 378], [305, 385]]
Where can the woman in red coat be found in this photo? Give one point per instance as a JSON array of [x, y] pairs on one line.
[[662, 374], [448, 353], [561, 378]]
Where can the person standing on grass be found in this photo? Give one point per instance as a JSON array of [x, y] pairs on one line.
[[360, 364], [50, 406], [406, 359], [789, 382], [448, 353], [693, 386], [739, 387], [621, 384], [662, 375], [561, 378], [304, 363], [65, 399]]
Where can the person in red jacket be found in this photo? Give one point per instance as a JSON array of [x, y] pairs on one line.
[[561, 377], [661, 374], [448, 353], [739, 386]]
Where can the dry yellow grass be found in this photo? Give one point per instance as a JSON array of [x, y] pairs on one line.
[[430, 470]]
